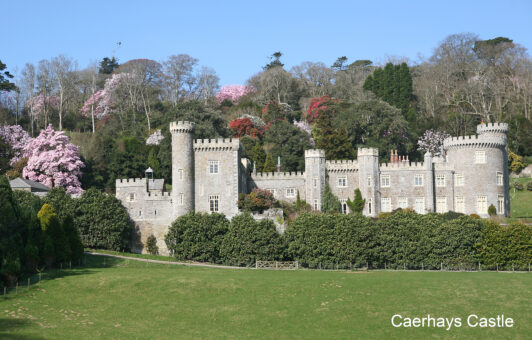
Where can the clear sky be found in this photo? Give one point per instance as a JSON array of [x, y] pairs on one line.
[[236, 37]]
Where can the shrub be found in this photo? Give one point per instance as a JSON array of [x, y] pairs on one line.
[[151, 245], [56, 245], [257, 200], [102, 221], [73, 238], [357, 205], [492, 211], [451, 215], [248, 241], [529, 186], [329, 203], [62, 203], [518, 186], [197, 236], [474, 215]]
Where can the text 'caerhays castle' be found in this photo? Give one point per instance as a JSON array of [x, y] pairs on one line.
[[207, 176]]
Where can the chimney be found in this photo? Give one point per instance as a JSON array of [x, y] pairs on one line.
[[391, 156]]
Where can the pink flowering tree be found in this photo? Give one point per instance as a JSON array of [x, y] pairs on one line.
[[155, 138], [41, 105], [305, 127], [16, 138], [54, 161], [432, 141], [233, 92]]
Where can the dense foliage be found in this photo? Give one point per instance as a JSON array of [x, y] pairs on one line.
[[257, 200]]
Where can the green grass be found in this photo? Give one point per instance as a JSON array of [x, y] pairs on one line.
[[137, 300], [521, 201]]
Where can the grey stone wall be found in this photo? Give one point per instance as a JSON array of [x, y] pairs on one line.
[[281, 184]]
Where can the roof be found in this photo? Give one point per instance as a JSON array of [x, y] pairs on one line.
[[21, 183]]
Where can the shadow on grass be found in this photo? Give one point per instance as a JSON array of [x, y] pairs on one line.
[[11, 329]]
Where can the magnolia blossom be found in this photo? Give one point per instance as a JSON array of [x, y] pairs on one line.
[[101, 102], [233, 92], [155, 138], [257, 121], [53, 161], [305, 127], [38, 103], [432, 141], [16, 138]]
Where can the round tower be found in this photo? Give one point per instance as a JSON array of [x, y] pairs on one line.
[[368, 178], [480, 166], [182, 168], [314, 177]]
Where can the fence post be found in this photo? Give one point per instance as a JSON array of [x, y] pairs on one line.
[[297, 264], [367, 265], [479, 266], [384, 265], [422, 267], [513, 269], [497, 267], [441, 265], [28, 283], [4, 291], [256, 264], [404, 266], [276, 265]]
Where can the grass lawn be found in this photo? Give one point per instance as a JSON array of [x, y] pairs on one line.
[[521, 201], [130, 299]]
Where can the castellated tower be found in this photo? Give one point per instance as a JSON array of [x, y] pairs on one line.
[[368, 167], [480, 165], [182, 168], [314, 177]]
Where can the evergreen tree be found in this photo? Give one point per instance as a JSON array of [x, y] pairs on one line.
[[258, 156], [357, 205], [107, 66], [269, 166], [5, 84], [56, 245], [329, 203], [10, 240], [333, 141]]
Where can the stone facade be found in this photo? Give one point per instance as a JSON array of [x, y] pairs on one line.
[[208, 175]]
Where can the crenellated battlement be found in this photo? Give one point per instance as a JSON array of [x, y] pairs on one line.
[[278, 175], [403, 166], [130, 182], [368, 152], [492, 128], [220, 144], [341, 165], [162, 196], [315, 153], [481, 141], [182, 127]]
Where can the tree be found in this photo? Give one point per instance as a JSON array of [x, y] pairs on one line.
[[10, 241], [61, 202], [17, 139], [257, 200], [107, 66], [269, 166], [56, 245], [178, 77], [233, 92], [339, 64], [275, 61], [333, 141], [432, 141], [357, 205], [257, 156], [5, 84], [316, 78], [64, 72], [330, 203], [289, 142], [151, 245], [54, 161]]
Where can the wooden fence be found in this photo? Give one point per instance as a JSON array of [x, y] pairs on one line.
[[277, 265]]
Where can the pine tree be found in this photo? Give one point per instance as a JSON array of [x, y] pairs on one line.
[[333, 141], [329, 203], [258, 156], [269, 166], [357, 205]]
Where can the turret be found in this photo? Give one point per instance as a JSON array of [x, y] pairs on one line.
[[182, 168], [369, 183], [314, 177]]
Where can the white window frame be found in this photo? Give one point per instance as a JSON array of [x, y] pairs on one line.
[[132, 197], [290, 192], [386, 204], [214, 203], [385, 181], [316, 206], [181, 199], [480, 157], [440, 180], [459, 202], [500, 205], [345, 210], [369, 181], [441, 204], [500, 178], [418, 180], [369, 206], [342, 182], [459, 180], [482, 204], [419, 205], [213, 167], [402, 202]]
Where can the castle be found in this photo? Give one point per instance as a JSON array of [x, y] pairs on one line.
[[207, 176]]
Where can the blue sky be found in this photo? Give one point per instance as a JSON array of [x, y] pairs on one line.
[[236, 37]]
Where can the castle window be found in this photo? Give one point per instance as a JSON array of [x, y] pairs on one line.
[[342, 182], [459, 180], [440, 180], [214, 203], [315, 182], [181, 199], [214, 167], [386, 204], [441, 204], [131, 197], [500, 205], [385, 181], [482, 204], [480, 157], [290, 192], [499, 178], [402, 202], [180, 174], [344, 206], [418, 180], [140, 213], [369, 206], [369, 181], [459, 204], [419, 205], [316, 205]]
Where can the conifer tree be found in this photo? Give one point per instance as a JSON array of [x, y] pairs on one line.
[[269, 166], [333, 141], [357, 205], [329, 203]]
